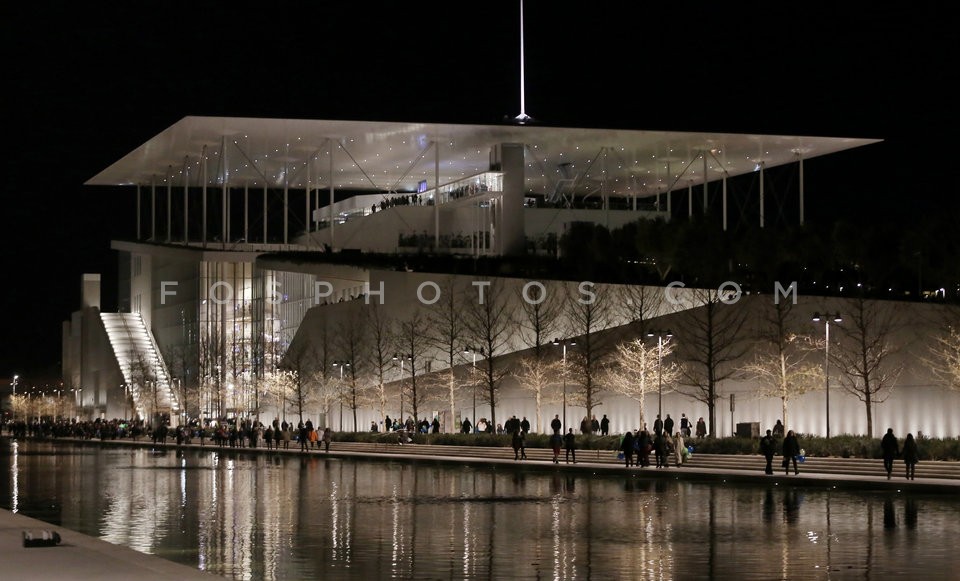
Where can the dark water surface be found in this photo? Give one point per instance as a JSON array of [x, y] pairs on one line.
[[289, 517]]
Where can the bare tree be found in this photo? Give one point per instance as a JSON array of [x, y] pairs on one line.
[[379, 353], [538, 318], [589, 314], [866, 357], [637, 303], [185, 387], [538, 375], [278, 386], [639, 369], [781, 364], [710, 342], [299, 360], [489, 324], [446, 322], [413, 343], [943, 359], [351, 339]]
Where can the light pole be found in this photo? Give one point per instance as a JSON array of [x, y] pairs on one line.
[[16, 380], [660, 335], [564, 343], [826, 359], [400, 358], [474, 351], [341, 364]]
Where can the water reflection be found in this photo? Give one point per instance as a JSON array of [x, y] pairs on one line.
[[293, 517]]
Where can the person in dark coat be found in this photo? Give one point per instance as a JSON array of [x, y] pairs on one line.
[[517, 441], [660, 449], [668, 425], [570, 445], [465, 427], [890, 450], [436, 425], [556, 425], [556, 440], [768, 447], [525, 425], [911, 456], [701, 428], [791, 449], [642, 445], [605, 425], [658, 426], [626, 446]]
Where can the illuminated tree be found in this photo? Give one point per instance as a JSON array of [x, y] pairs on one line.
[[781, 365], [639, 369]]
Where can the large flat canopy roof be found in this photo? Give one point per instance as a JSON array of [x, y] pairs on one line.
[[395, 156]]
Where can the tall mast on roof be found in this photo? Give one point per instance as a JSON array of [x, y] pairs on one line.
[[522, 117]]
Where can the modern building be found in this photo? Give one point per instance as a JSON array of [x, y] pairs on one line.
[[262, 243]]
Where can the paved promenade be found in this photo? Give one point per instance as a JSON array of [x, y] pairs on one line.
[[82, 557], [79, 557]]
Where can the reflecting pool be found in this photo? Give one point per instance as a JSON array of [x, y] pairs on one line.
[[248, 516]]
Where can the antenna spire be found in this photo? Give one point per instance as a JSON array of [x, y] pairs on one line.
[[522, 117]]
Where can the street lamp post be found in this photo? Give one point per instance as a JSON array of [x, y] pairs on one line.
[[16, 380], [660, 335], [826, 359], [400, 358], [474, 351], [564, 343], [341, 365]]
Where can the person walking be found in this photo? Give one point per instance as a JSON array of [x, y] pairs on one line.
[[791, 449], [570, 445], [678, 447], [556, 440], [890, 450], [911, 456], [605, 426], [768, 447], [657, 426], [525, 425], [701, 428], [668, 425], [465, 426], [517, 441], [626, 446], [684, 425], [327, 438]]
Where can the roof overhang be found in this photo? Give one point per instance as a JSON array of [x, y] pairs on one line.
[[394, 156]]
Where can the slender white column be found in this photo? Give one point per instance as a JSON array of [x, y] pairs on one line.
[[169, 211], [724, 202], [801, 188], [186, 207], [286, 206], [669, 197], [203, 213], [705, 181], [246, 212], [265, 216], [306, 202], [436, 196], [153, 211], [762, 167], [690, 200], [225, 193], [138, 211], [332, 221]]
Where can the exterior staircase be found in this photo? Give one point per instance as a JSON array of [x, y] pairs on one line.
[[144, 371]]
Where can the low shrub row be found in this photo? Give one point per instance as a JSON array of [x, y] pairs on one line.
[[843, 446]]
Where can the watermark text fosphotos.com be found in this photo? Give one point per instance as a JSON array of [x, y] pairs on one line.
[[429, 292]]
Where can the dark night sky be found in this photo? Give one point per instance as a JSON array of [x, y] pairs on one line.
[[85, 88]]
